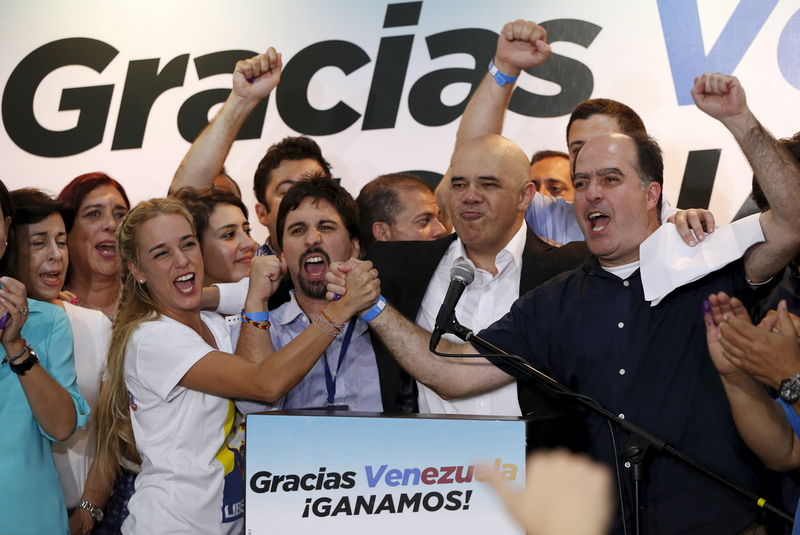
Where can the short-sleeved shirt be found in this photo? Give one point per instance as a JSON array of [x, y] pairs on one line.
[[190, 442], [31, 500], [595, 333]]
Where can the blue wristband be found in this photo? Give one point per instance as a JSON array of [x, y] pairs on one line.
[[257, 316], [376, 309], [499, 76]]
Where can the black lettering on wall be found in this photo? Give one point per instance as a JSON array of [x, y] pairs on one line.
[[425, 99], [292, 93], [405, 14], [143, 84], [698, 178], [91, 102], [391, 67]]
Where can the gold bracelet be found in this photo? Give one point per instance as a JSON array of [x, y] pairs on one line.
[[339, 326], [329, 328]]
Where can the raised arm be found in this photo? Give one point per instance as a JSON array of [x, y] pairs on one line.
[[723, 98], [253, 80], [522, 44], [50, 402], [265, 275]]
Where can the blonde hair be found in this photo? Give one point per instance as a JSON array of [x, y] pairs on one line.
[[114, 432]]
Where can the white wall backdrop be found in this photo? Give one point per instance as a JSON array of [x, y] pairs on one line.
[[634, 51]]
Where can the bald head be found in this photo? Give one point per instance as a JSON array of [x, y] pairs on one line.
[[489, 193], [494, 152]]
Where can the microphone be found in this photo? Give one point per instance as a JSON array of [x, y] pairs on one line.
[[461, 276]]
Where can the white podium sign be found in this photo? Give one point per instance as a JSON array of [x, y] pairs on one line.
[[350, 473]]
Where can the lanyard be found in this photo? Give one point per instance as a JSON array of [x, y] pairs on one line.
[[330, 378]]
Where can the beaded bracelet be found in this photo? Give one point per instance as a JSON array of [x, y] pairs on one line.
[[255, 323], [9, 358]]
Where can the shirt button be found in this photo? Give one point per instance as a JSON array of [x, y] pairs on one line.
[[621, 416], [626, 283], [622, 371], [620, 325]]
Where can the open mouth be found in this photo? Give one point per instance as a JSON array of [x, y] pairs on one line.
[[51, 278], [107, 249], [185, 283], [315, 264], [598, 221]]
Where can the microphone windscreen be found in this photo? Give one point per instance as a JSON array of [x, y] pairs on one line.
[[463, 272]]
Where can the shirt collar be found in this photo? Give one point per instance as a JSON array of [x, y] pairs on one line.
[[515, 247], [591, 266]]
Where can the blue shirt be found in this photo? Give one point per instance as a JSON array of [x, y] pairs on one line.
[[794, 421], [357, 384], [553, 218], [31, 500], [595, 333]]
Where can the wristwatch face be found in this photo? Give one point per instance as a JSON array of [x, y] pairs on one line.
[[789, 389]]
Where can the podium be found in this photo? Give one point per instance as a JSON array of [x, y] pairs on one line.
[[365, 473]]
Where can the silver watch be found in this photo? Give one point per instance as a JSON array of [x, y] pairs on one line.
[[789, 389], [96, 512]]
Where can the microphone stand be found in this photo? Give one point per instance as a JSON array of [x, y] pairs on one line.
[[643, 438]]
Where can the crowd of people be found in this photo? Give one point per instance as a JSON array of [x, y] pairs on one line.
[[138, 337]]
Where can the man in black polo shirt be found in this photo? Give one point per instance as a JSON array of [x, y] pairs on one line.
[[593, 331]]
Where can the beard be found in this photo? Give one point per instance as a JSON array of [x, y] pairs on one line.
[[313, 289]]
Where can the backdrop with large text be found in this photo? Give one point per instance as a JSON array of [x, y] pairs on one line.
[[124, 87]]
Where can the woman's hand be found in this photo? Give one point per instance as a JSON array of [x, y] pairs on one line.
[[266, 273], [14, 300]]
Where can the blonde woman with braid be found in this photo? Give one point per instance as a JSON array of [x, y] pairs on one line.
[[171, 374]]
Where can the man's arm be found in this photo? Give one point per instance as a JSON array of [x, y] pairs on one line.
[[521, 45], [449, 377], [253, 80], [723, 98]]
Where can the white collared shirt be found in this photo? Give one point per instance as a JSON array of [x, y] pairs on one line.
[[483, 302]]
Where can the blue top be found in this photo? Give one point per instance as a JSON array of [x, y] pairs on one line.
[[794, 421], [650, 364], [357, 384], [553, 218], [31, 501]]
